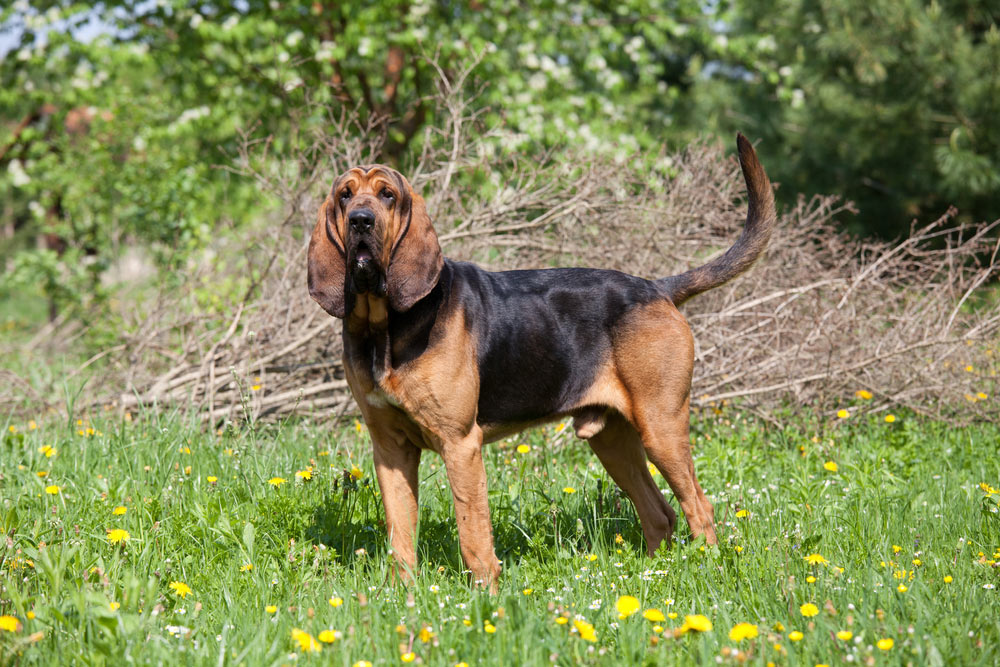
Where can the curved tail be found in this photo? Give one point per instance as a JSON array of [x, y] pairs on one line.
[[756, 233]]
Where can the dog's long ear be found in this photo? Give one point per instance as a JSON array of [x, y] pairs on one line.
[[328, 260], [415, 262]]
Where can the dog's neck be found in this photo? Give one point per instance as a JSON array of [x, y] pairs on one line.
[[385, 338]]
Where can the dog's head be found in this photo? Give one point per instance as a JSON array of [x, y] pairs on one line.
[[372, 236]]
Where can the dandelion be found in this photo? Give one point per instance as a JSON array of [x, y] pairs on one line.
[[306, 641], [48, 450], [271, 609], [305, 475], [562, 620], [809, 609], [863, 394], [356, 472], [654, 615], [843, 414], [246, 567], [336, 602], [328, 636], [358, 426], [120, 510], [42, 474], [896, 548], [830, 466], [181, 589], [948, 579], [114, 606], [586, 630], [742, 514], [425, 634], [569, 489], [619, 539], [811, 579], [212, 479], [902, 588], [795, 636], [626, 606], [362, 663], [9, 624], [743, 631], [890, 419], [528, 591], [489, 628], [696, 622], [52, 489], [815, 559], [845, 635], [118, 536], [523, 449], [408, 657], [982, 396], [276, 481], [885, 644]]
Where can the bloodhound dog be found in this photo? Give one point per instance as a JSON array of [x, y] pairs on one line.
[[442, 355]]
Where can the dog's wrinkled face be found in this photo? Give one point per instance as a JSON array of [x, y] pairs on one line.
[[367, 202], [372, 236]]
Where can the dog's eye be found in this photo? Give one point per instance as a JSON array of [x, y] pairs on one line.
[[345, 195], [386, 195]]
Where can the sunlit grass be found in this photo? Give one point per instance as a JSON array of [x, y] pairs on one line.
[[846, 540]]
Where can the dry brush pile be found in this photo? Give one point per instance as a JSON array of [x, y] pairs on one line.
[[818, 318]]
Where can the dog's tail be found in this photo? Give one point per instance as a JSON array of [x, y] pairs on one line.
[[746, 250]]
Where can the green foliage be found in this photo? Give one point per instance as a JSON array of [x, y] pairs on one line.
[[904, 506]]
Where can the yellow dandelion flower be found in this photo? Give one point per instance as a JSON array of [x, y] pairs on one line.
[[336, 602], [885, 644], [523, 449], [843, 414], [863, 394], [328, 636], [626, 606], [408, 657], [305, 475], [271, 609], [52, 489], [246, 567], [489, 627], [795, 636], [654, 615], [809, 609], [114, 606], [9, 624], [896, 548], [697, 622], [902, 588], [356, 472], [845, 635], [969, 368], [619, 539], [815, 559], [811, 579], [118, 536], [48, 451], [42, 474], [982, 396], [358, 426], [890, 419], [276, 481], [562, 620], [425, 634], [743, 631], [569, 489], [948, 579], [181, 589], [120, 510], [830, 466], [586, 630], [306, 641], [362, 663], [528, 591], [187, 470], [742, 514], [211, 479]]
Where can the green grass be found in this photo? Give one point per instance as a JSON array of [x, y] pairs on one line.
[[913, 484]]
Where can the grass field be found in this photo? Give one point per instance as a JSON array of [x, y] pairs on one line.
[[152, 541]]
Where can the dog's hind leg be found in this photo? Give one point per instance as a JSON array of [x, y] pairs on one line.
[[667, 443], [620, 450]]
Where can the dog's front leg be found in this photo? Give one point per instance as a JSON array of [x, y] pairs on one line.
[[396, 464], [463, 461]]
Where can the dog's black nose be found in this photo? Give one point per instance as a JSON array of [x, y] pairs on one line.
[[362, 220]]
